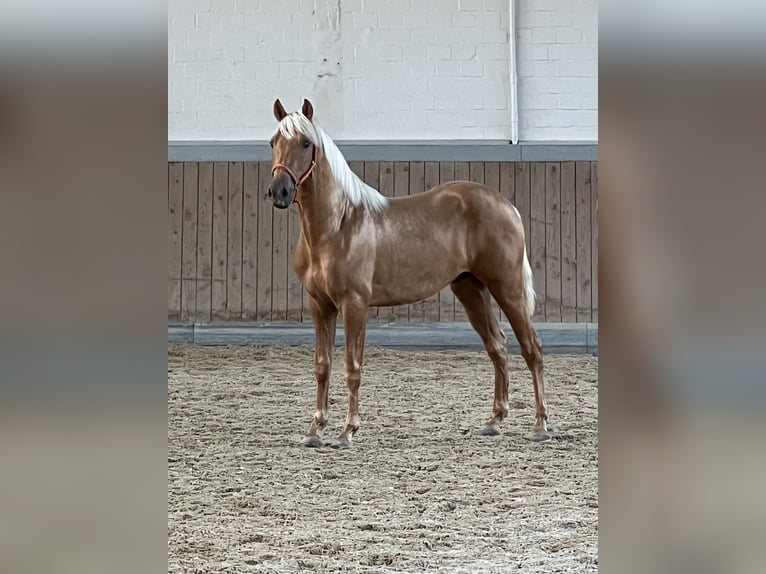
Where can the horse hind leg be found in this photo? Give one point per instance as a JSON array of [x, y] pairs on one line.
[[475, 297], [510, 296]]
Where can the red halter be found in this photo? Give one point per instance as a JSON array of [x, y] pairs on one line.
[[297, 181]]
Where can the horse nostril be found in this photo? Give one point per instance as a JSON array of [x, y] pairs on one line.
[[270, 194], [283, 193]]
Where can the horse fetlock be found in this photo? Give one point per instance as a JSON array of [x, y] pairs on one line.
[[320, 419]]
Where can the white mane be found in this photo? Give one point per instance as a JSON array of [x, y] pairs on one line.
[[358, 192]]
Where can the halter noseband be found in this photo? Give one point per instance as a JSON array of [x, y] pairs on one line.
[[297, 181]]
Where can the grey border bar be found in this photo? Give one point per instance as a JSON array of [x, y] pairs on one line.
[[557, 338], [397, 151]]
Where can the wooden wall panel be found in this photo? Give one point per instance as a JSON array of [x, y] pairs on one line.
[[234, 243], [594, 240], [189, 240], [553, 242], [204, 241], [537, 234], [175, 243], [230, 252], [416, 310], [583, 240], [507, 187], [372, 178], [252, 200], [476, 171], [220, 225], [279, 265], [431, 304], [386, 314], [463, 172], [401, 313], [568, 246], [447, 299], [265, 253], [523, 202]]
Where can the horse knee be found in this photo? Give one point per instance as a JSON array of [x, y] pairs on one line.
[[353, 379], [322, 368], [498, 354]]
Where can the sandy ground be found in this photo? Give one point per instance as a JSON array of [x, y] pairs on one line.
[[419, 491]]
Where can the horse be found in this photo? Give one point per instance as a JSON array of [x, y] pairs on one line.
[[358, 248]]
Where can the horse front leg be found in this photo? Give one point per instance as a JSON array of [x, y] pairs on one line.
[[324, 318], [354, 323]]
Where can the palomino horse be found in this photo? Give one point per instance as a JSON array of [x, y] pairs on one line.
[[358, 249]]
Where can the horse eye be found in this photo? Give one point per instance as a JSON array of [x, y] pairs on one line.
[[306, 143]]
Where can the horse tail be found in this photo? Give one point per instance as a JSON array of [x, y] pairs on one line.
[[529, 287]]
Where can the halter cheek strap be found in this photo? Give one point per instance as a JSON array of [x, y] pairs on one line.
[[297, 181]]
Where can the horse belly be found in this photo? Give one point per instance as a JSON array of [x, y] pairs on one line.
[[411, 282]]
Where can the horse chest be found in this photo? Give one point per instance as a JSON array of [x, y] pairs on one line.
[[313, 274]]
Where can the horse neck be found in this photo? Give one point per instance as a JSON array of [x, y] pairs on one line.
[[322, 205]]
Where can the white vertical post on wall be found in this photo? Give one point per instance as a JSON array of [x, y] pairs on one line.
[[513, 83]]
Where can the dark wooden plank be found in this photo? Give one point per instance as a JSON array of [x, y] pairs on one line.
[[294, 287], [583, 240], [252, 202], [568, 246], [507, 181], [446, 296], [594, 239], [476, 171], [416, 311], [537, 234], [417, 177], [279, 266], [372, 174], [401, 189], [220, 226], [465, 171], [265, 214], [523, 203], [431, 179], [175, 219], [499, 176], [189, 243], [204, 242], [492, 175], [386, 174], [372, 178], [234, 243], [522, 184], [553, 242], [358, 168], [431, 304], [462, 171]]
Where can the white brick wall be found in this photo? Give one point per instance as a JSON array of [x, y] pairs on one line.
[[558, 69], [382, 69]]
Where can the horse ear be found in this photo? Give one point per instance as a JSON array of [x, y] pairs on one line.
[[279, 110], [308, 109]]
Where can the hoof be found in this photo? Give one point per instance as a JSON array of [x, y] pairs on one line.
[[541, 436], [341, 444], [313, 442], [490, 430]]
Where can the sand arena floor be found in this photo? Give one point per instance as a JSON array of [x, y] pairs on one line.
[[419, 491]]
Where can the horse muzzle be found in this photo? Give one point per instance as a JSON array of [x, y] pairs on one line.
[[281, 191]]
